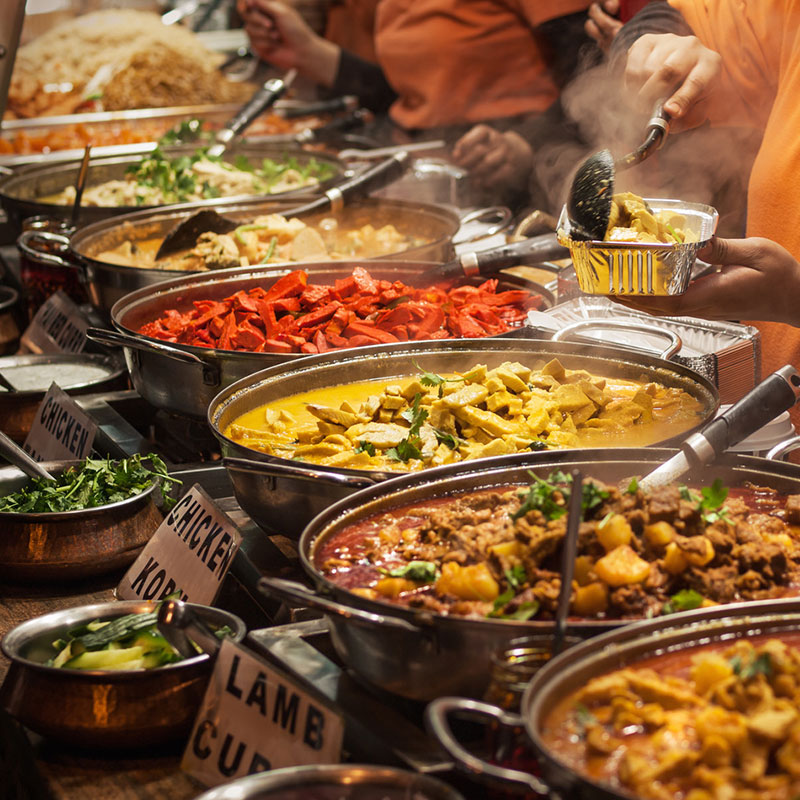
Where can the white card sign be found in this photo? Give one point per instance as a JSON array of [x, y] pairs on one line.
[[58, 327], [255, 718], [190, 551], [61, 429]]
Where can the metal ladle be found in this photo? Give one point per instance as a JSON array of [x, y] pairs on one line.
[[19, 458], [80, 185], [589, 202]]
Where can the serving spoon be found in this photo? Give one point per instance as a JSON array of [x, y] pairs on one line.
[[568, 554], [774, 395], [20, 459], [184, 234], [589, 201]]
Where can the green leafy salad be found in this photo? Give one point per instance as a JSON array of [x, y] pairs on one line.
[[95, 482]]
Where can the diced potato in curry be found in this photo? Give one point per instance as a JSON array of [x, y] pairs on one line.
[[427, 420]]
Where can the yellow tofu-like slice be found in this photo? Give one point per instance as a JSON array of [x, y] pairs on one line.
[[511, 381], [469, 395], [486, 420]]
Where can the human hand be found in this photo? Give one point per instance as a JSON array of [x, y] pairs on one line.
[[494, 159], [657, 63], [603, 24], [759, 280], [278, 33]]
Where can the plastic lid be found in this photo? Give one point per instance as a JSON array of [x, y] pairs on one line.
[[774, 432]]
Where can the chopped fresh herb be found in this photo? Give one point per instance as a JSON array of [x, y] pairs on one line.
[[365, 447], [538, 444], [593, 496], [411, 446], [603, 522], [447, 438], [399, 301], [687, 494], [712, 499], [541, 495], [417, 571], [95, 482], [273, 243], [684, 600], [516, 576], [674, 234], [633, 486], [500, 603], [761, 665], [432, 379], [525, 611], [584, 718]]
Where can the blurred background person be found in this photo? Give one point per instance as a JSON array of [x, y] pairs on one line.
[[740, 65], [478, 73]]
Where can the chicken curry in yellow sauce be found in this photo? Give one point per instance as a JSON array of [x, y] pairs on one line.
[[409, 423]]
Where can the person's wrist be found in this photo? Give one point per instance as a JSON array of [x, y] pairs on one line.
[[318, 59]]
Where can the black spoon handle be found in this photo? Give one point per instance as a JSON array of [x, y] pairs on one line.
[[657, 130], [359, 186], [535, 250]]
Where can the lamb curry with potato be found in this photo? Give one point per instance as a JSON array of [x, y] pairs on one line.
[[717, 722], [496, 552], [410, 423]]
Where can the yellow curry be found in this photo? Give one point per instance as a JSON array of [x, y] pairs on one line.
[[409, 423]]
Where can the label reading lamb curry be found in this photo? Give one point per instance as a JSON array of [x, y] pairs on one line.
[[191, 552], [255, 718]]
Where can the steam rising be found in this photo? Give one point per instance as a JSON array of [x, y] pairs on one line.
[[706, 165]]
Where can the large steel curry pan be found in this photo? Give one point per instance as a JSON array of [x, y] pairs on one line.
[[567, 673], [184, 378], [283, 495], [106, 283], [423, 655], [20, 191]]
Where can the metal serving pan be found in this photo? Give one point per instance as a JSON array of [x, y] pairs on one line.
[[184, 378], [20, 191], [572, 669], [107, 710], [445, 655], [67, 545], [283, 495], [106, 283], [17, 409]]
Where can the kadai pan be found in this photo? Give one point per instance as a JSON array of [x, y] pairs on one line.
[[448, 654], [282, 495]]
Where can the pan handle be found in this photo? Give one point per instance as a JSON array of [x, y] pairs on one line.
[[498, 218], [299, 595], [437, 720], [782, 449], [24, 244], [119, 339], [296, 471], [675, 342]]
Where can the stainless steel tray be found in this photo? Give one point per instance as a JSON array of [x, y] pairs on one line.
[[727, 353]]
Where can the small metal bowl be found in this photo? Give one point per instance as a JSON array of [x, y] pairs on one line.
[[334, 782], [72, 544], [103, 709], [640, 268]]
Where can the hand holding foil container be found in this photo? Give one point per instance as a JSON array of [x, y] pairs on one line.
[[637, 267]]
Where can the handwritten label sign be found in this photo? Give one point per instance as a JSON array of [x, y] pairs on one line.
[[61, 429], [58, 327], [255, 718], [190, 551]]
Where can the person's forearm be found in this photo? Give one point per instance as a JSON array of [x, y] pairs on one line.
[[364, 79]]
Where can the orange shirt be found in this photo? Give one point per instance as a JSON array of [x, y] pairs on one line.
[[351, 25], [457, 61], [759, 41]]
